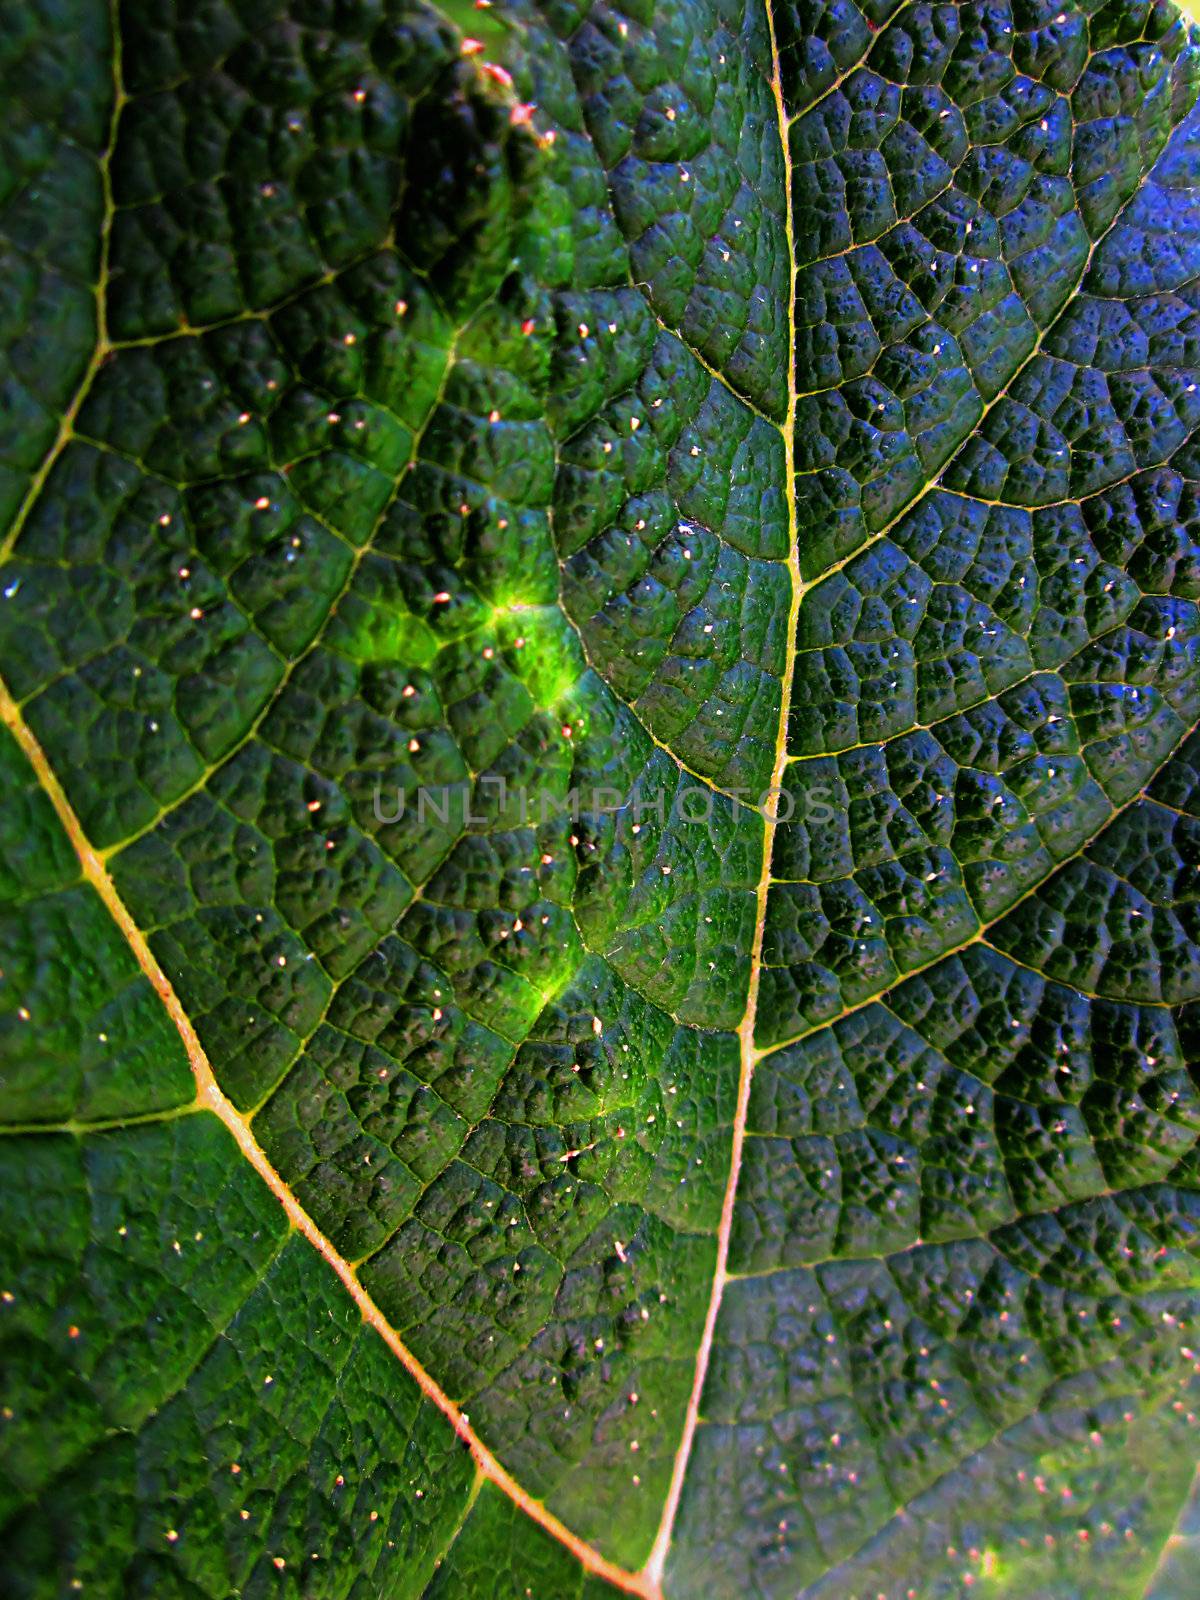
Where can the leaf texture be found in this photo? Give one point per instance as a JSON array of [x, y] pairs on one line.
[[601, 800]]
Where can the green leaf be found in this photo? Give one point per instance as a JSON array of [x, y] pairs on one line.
[[600, 800]]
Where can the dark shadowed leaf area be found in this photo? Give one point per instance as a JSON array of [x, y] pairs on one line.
[[599, 800]]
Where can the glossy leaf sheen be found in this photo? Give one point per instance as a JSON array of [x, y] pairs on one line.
[[672, 402]]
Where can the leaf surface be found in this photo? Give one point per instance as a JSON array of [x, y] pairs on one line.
[[601, 800]]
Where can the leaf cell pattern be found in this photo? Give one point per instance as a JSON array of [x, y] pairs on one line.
[[601, 799]]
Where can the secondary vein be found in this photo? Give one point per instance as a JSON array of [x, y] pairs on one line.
[[210, 1097]]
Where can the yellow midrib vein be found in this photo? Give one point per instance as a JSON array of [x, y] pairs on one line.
[[653, 1569], [210, 1097]]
